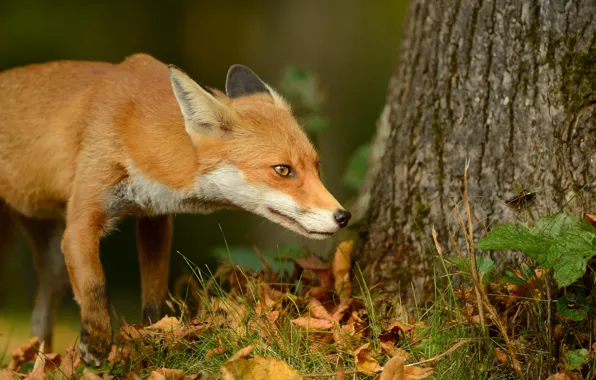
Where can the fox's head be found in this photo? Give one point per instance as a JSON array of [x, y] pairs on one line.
[[253, 154]]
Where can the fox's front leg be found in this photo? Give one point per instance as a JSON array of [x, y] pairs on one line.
[[80, 245], [154, 241]]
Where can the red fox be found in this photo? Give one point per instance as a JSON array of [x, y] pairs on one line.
[[84, 144]]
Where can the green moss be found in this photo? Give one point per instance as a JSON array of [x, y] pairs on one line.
[[422, 211], [438, 130], [578, 68]]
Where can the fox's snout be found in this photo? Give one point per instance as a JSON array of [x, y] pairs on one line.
[[342, 217]]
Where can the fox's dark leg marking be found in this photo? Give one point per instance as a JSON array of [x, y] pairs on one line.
[[153, 312], [96, 330], [154, 241]]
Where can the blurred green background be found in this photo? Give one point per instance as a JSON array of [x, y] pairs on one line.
[[351, 47]]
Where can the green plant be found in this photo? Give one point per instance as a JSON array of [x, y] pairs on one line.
[[562, 242]]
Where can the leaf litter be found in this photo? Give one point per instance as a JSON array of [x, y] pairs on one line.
[[319, 307]]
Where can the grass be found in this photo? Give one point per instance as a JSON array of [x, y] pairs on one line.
[[475, 325]]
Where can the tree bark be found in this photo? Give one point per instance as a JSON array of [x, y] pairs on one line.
[[509, 85]]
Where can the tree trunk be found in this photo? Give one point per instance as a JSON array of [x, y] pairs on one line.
[[509, 85]]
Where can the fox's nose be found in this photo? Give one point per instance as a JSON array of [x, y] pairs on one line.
[[342, 217]]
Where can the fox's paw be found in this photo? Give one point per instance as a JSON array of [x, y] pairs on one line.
[[153, 312], [95, 345]]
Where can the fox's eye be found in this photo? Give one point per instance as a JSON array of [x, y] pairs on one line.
[[283, 170]]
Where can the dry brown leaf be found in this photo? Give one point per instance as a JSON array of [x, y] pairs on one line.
[[126, 353], [341, 373], [129, 332], [319, 268], [501, 356], [168, 374], [6, 374], [320, 293], [37, 373], [259, 367], [88, 375], [311, 263], [412, 373], [156, 376], [312, 323], [26, 352], [217, 350], [341, 268], [564, 375], [165, 325], [273, 316], [394, 332], [191, 331], [131, 376], [364, 361], [393, 351], [558, 331], [341, 309], [394, 369], [317, 310], [242, 353], [67, 365]]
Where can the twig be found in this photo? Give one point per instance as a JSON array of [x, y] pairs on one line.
[[503, 331], [549, 319], [439, 356], [440, 252], [478, 288], [472, 267]]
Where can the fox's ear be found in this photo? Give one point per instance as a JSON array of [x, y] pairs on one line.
[[202, 112], [242, 81]]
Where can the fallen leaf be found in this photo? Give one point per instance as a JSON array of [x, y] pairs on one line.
[[312, 323], [37, 373], [7, 374], [169, 374], [166, 325], [501, 356], [320, 293], [67, 365], [396, 331], [88, 375], [25, 353], [341, 373], [564, 375], [394, 369], [341, 268], [558, 331], [242, 353], [393, 351], [318, 310], [364, 361], [319, 268], [311, 263], [131, 376], [156, 376], [417, 372], [259, 367]]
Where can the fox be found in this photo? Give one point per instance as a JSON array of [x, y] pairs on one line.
[[85, 144]]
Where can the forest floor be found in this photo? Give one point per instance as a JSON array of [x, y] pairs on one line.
[[531, 322]]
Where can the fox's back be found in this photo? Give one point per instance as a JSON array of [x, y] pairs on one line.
[[43, 117]]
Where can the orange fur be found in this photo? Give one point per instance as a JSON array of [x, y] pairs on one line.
[[75, 134]]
